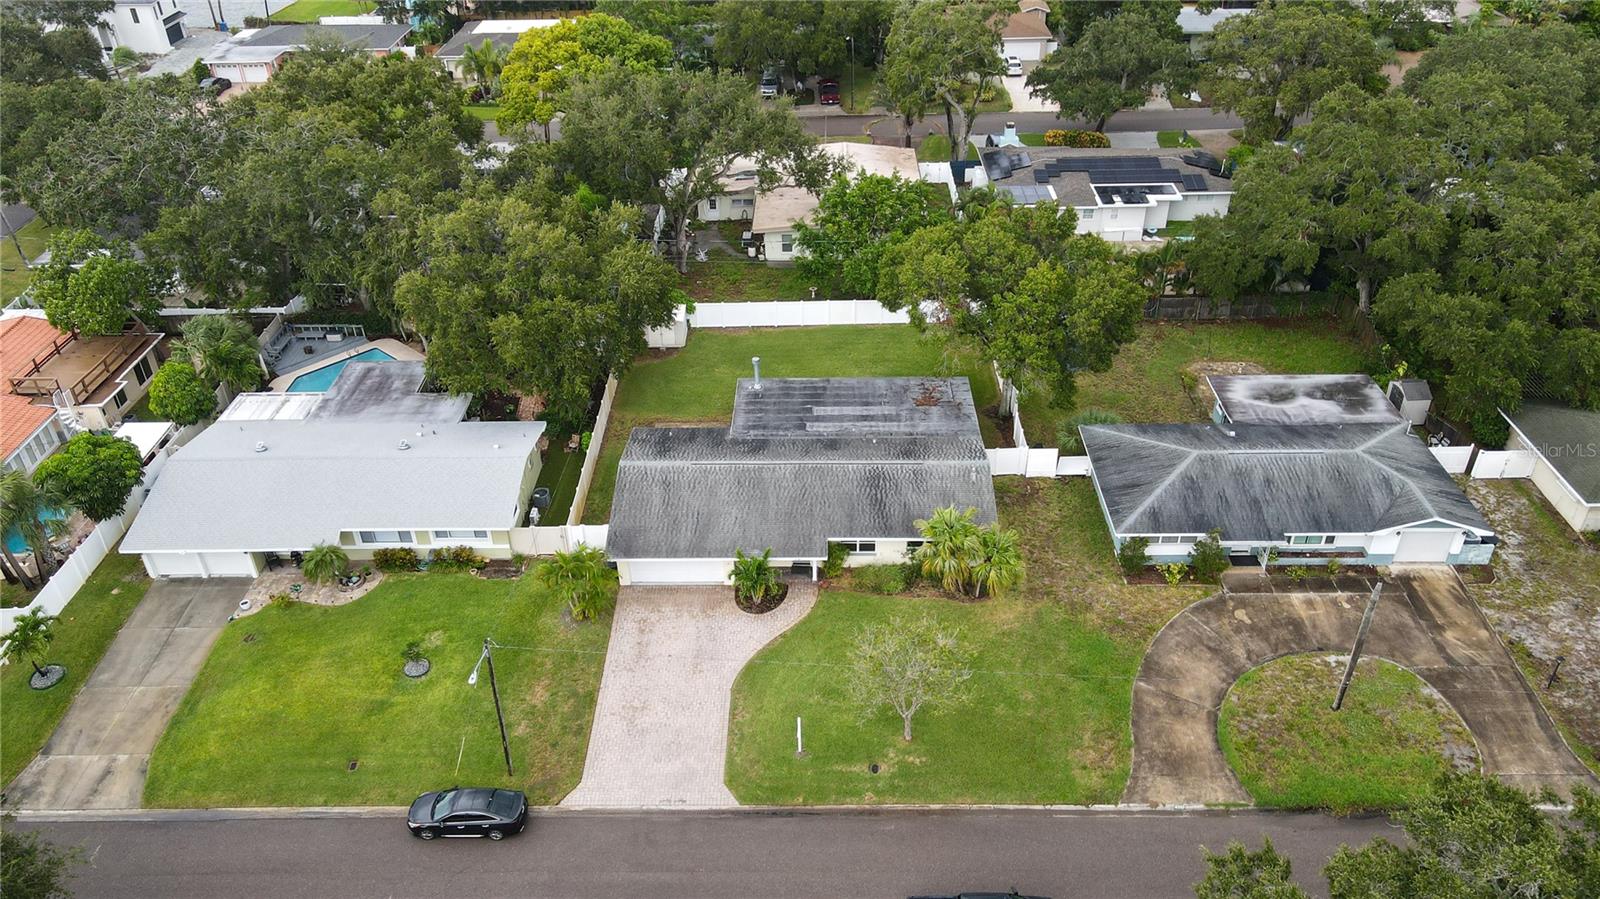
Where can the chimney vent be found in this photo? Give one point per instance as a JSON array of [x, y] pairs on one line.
[[756, 362]]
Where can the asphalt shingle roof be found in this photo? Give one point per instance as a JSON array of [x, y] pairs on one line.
[[1303, 399], [1569, 439], [854, 407]]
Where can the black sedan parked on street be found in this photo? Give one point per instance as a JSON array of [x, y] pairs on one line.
[[457, 812]]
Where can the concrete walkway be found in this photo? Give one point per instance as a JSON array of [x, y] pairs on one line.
[[1425, 622], [660, 736], [99, 754]]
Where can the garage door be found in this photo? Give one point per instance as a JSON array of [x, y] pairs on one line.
[[1424, 546], [679, 571], [199, 565]]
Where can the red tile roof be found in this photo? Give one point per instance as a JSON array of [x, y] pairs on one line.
[[18, 420], [22, 338]]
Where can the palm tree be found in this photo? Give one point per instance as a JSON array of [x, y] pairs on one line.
[[324, 563], [999, 568], [484, 63], [223, 350], [753, 576], [23, 506], [30, 638], [583, 576], [950, 545]]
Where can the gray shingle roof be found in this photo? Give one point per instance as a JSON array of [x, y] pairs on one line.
[[701, 493], [1303, 399], [1569, 439], [316, 478], [1265, 481], [854, 407]]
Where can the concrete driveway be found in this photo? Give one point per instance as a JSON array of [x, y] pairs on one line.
[[660, 736], [1021, 99], [1425, 622], [99, 754]]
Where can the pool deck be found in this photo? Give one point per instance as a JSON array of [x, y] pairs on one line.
[[393, 347]]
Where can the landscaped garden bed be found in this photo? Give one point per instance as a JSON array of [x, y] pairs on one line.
[[291, 697]]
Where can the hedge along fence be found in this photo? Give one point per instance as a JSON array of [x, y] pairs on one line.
[[1058, 137]]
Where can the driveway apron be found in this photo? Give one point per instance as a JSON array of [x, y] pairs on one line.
[[100, 752], [1425, 621], [660, 736]]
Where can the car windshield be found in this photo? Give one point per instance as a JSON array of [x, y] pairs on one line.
[[444, 803]]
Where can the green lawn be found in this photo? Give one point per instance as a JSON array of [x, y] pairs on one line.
[[695, 385], [1174, 139], [560, 473], [291, 696], [14, 273], [309, 11], [1048, 718], [487, 112], [1177, 229], [858, 88], [934, 148], [722, 278], [86, 627], [1145, 384], [1382, 750]]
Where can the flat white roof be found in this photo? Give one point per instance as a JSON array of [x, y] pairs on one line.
[[270, 407], [146, 435]]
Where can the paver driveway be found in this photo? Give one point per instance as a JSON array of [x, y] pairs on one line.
[[99, 754], [660, 736], [1425, 622]]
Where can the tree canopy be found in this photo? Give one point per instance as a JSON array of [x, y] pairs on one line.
[[800, 37], [684, 23], [94, 473], [178, 395], [49, 40], [92, 286], [1115, 63], [951, 51], [855, 222], [545, 62]]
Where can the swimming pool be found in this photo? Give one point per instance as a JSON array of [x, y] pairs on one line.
[[321, 379], [14, 540]]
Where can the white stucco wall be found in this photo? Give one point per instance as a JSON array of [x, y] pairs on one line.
[[1571, 507]]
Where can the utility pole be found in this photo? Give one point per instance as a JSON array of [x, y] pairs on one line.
[[1361, 639], [494, 688]]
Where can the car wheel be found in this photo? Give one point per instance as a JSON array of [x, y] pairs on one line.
[[427, 834], [496, 835]]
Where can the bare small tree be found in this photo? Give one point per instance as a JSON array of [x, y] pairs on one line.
[[908, 663]]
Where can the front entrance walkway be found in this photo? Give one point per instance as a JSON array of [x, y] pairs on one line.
[[660, 736], [1425, 622], [99, 754]]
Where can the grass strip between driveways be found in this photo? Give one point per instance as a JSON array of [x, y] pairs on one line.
[[1384, 749], [86, 627], [292, 695]]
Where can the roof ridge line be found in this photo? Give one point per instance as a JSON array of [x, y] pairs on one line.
[[1160, 488]]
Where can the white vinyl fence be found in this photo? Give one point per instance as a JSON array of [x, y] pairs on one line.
[[545, 541], [1455, 459], [1503, 464], [794, 314], [591, 459]]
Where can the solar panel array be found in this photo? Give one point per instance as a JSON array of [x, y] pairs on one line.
[[1109, 169], [1027, 194], [1194, 182]]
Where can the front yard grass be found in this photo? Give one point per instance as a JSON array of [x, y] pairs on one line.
[[1145, 383], [15, 276], [293, 696], [695, 385], [1048, 718], [309, 11], [1383, 750], [86, 627], [485, 112]]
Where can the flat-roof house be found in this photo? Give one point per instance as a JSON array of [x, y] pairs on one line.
[[91, 380], [502, 33], [1117, 194], [1300, 400], [1363, 493], [253, 55], [776, 212], [806, 462], [143, 26], [1025, 34], [1565, 445]]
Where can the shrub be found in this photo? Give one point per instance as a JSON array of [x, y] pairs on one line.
[[1208, 559], [583, 576], [884, 580], [1132, 555], [833, 566], [324, 563], [178, 395], [754, 578], [1057, 137], [412, 652], [280, 600], [1068, 438], [1333, 567], [455, 558], [399, 558], [1297, 572], [1173, 572]]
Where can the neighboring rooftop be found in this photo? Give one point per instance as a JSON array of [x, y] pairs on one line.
[[44, 362], [387, 391], [256, 45], [1192, 21], [287, 485], [1079, 177], [19, 420], [1569, 439], [1260, 482], [1028, 21], [779, 209], [499, 32], [854, 407], [1302, 399]]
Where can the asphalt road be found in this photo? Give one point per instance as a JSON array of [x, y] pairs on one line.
[[703, 855]]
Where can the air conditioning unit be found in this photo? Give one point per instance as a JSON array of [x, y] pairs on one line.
[[1412, 397]]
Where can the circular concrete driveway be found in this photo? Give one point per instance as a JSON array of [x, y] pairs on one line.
[[1425, 622]]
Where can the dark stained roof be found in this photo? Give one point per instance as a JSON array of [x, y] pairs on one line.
[[854, 407], [1303, 399], [1259, 482], [1569, 439], [702, 493], [387, 391], [1075, 172], [377, 36]]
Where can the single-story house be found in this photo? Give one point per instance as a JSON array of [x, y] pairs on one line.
[[253, 55], [143, 26], [1300, 400], [502, 33], [1026, 35], [1117, 194], [807, 462], [28, 433], [777, 211], [1565, 445], [1197, 26], [738, 198], [1363, 493], [91, 380]]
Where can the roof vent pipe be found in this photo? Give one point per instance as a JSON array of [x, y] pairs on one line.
[[404, 445], [756, 361], [261, 446]]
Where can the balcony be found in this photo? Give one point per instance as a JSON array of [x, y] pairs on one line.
[[82, 370]]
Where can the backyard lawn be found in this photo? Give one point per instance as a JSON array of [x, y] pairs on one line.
[[695, 385], [309, 11], [14, 273], [86, 627], [1047, 718], [1146, 383], [306, 705], [487, 112], [560, 473], [1382, 750], [725, 278]]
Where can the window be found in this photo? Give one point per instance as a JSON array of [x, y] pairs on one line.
[[1164, 538], [135, 14], [788, 242], [914, 545], [746, 202], [384, 536], [1311, 540], [461, 535], [859, 547], [1189, 538], [120, 400], [1085, 214], [711, 203], [141, 372]]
